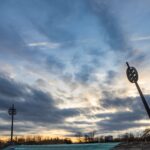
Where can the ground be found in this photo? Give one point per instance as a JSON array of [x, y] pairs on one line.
[[133, 146]]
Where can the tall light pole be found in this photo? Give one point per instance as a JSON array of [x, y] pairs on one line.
[[12, 112], [132, 75]]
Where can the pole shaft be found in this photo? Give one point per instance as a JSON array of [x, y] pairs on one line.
[[12, 125], [12, 128], [143, 99]]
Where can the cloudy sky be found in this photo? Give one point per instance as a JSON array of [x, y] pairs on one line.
[[63, 65]]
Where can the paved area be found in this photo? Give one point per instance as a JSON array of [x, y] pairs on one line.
[[133, 146]]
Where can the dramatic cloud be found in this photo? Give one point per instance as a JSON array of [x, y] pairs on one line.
[[32, 105], [63, 65], [131, 110], [115, 35]]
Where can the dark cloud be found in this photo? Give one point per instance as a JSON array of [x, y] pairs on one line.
[[19, 19], [32, 105], [108, 126], [115, 35], [12, 42], [51, 22], [123, 116], [130, 102], [111, 75], [85, 73], [122, 119], [9, 88], [72, 128], [54, 64], [12, 45], [115, 102], [40, 82], [18, 127]]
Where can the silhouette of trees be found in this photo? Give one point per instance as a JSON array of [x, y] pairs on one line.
[[35, 140], [86, 137], [30, 140], [146, 135], [126, 137], [90, 137], [82, 138], [79, 137]]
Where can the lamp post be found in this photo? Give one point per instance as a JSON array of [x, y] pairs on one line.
[[12, 112], [132, 75]]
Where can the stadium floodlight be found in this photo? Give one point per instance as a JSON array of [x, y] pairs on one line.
[[132, 75], [12, 112]]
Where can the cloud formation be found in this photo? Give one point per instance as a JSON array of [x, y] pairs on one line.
[[64, 67], [32, 105], [115, 35]]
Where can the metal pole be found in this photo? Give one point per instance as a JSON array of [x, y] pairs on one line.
[[132, 75], [12, 124], [12, 112], [143, 99]]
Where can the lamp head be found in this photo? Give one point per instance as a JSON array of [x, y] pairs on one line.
[[132, 74]]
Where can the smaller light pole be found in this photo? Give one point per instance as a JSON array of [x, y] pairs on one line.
[[12, 112], [132, 75]]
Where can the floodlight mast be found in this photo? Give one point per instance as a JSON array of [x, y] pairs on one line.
[[132, 75], [12, 112]]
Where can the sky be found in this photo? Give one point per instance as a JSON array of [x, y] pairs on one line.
[[63, 66]]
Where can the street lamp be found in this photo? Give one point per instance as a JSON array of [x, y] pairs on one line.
[[132, 75], [12, 112]]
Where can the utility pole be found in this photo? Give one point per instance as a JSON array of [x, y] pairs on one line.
[[132, 75], [12, 112]]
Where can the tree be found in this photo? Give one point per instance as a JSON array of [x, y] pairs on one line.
[[79, 136]]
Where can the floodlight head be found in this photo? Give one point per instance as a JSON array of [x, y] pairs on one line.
[[12, 110], [132, 74]]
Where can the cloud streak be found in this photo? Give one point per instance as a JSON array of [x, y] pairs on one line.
[[140, 38], [45, 44]]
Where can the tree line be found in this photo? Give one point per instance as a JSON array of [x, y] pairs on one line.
[[126, 137], [35, 140], [81, 138]]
